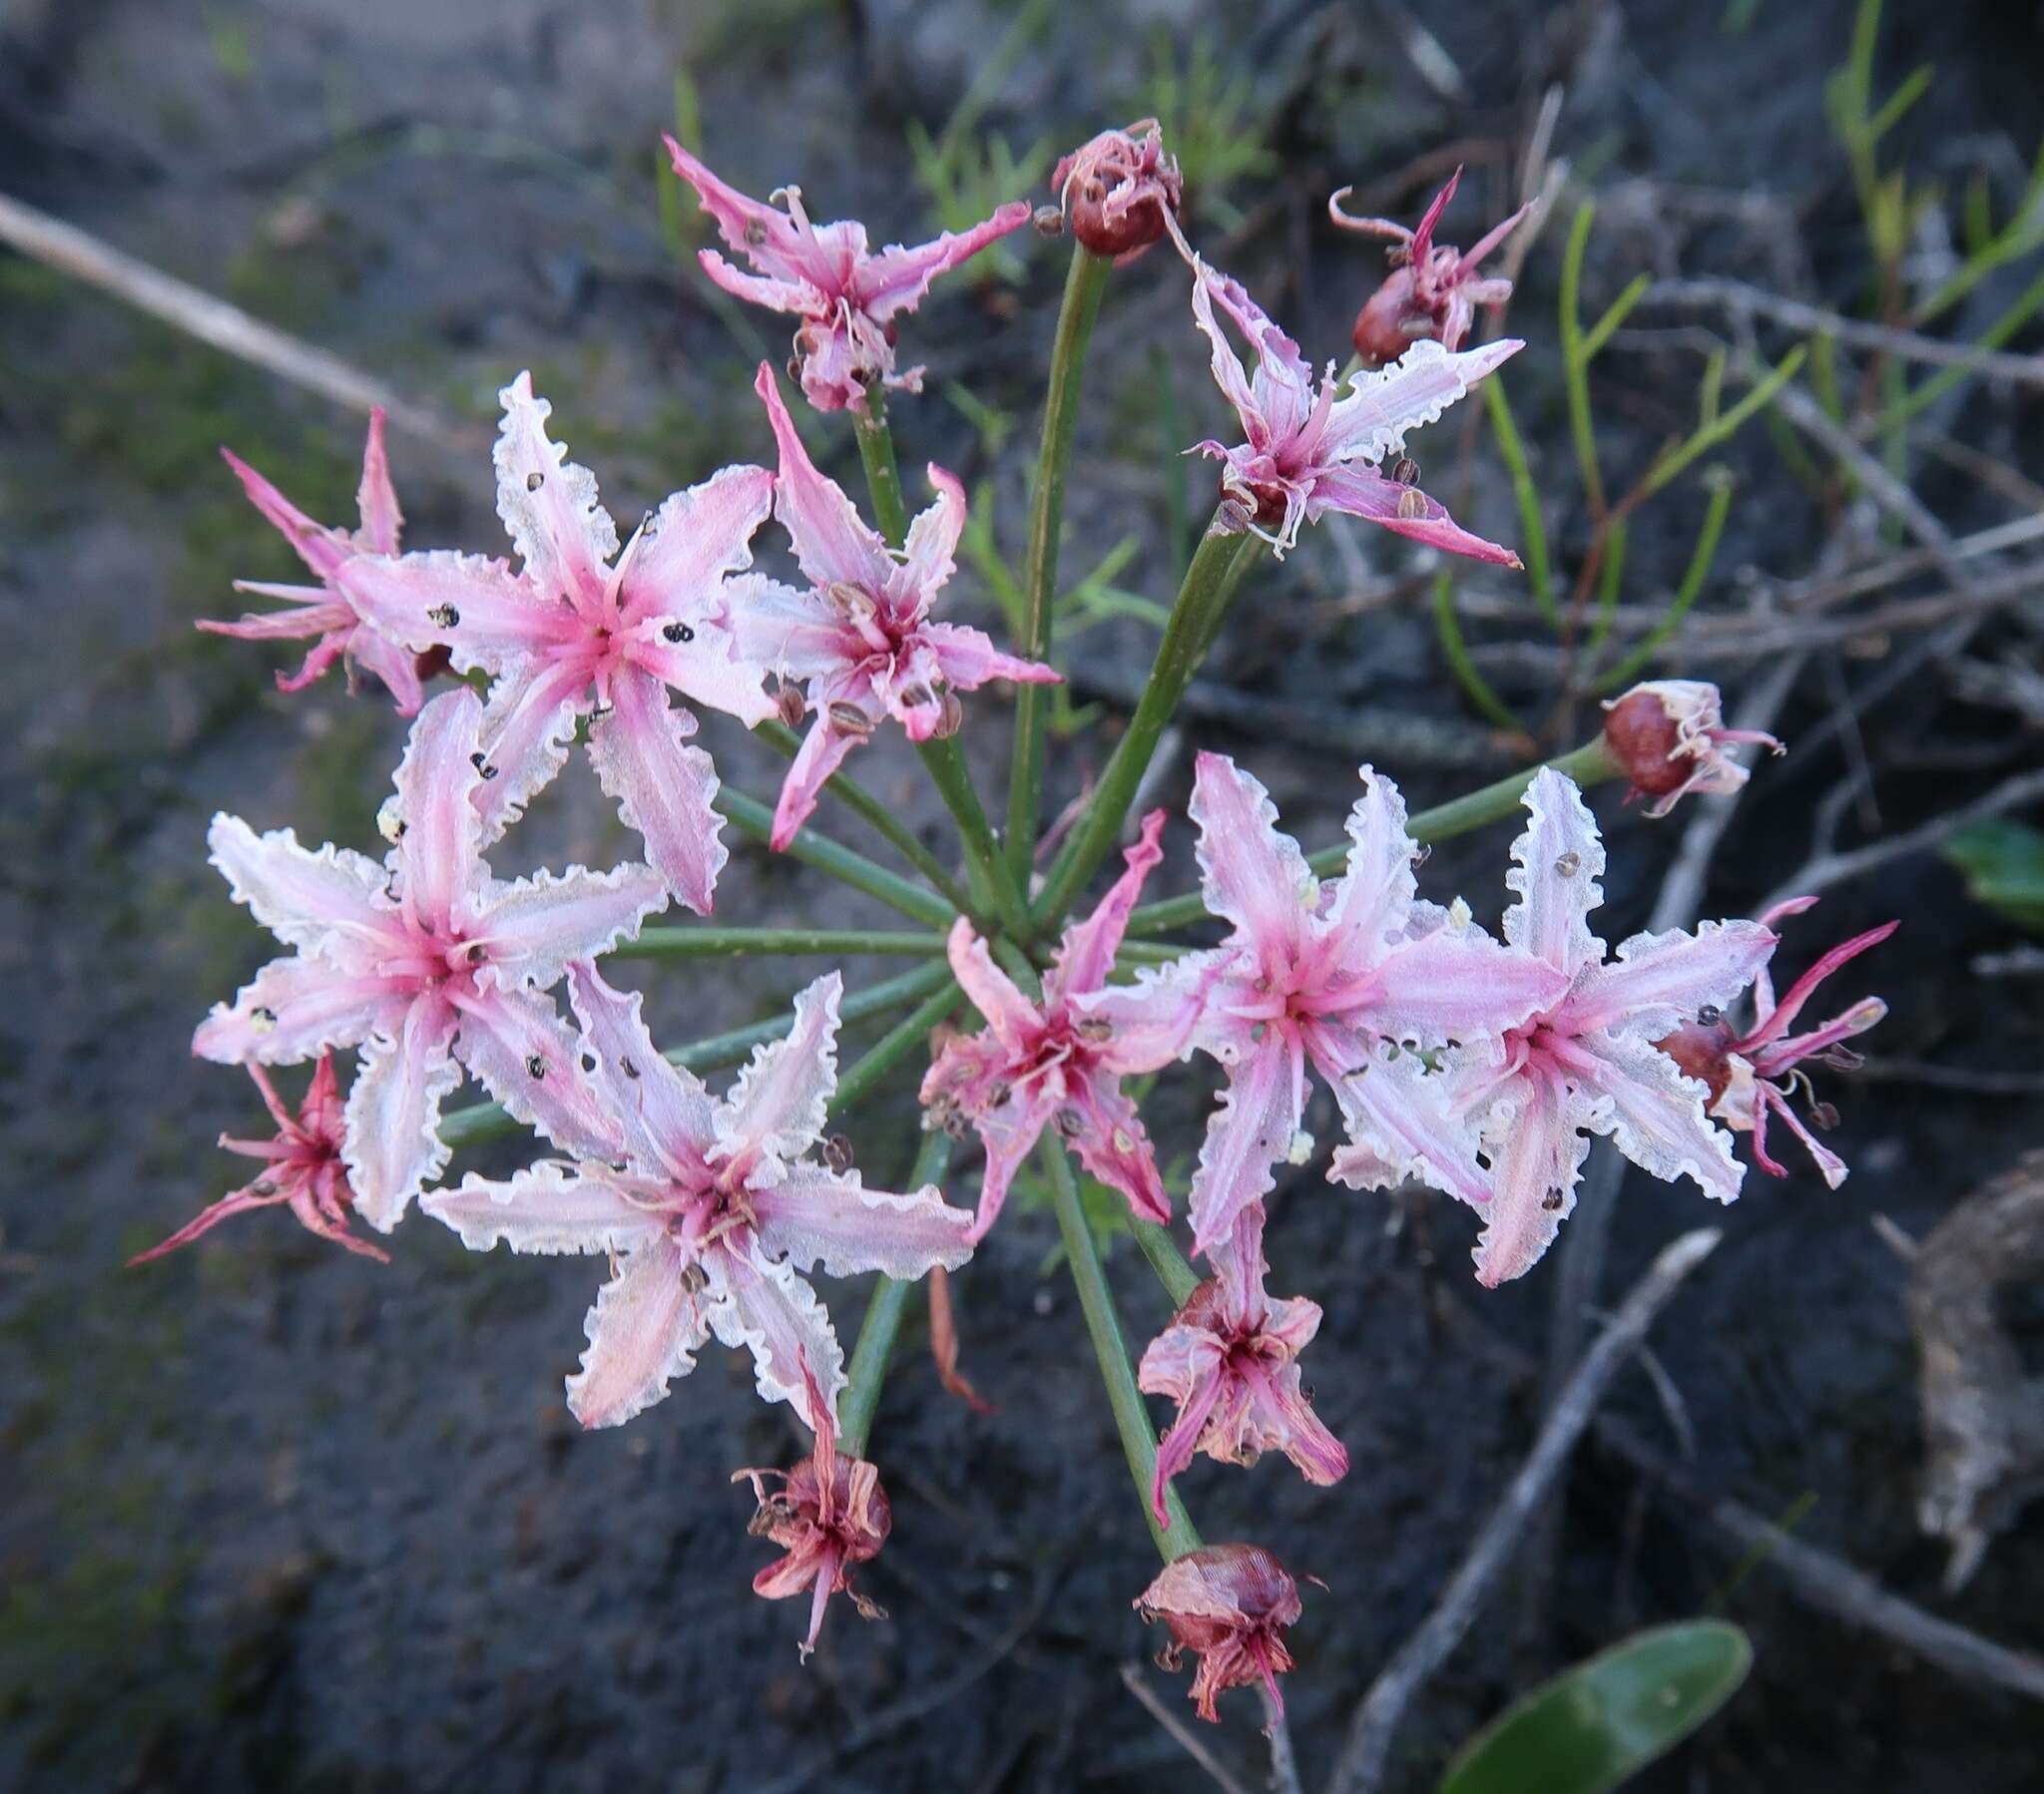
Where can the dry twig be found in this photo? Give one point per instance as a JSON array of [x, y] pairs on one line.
[[1182, 1734]]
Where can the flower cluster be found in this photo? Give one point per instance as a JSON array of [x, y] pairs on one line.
[[1482, 1065]]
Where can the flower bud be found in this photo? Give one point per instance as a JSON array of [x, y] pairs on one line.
[[1118, 190], [1231, 1605]]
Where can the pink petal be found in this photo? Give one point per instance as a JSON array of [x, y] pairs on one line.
[[551, 1208], [1559, 862], [664, 787], [391, 663], [775, 1315], [1359, 491], [1458, 984], [1658, 1120], [832, 544], [816, 1216], [1401, 1122], [930, 554], [1009, 1134], [707, 667], [321, 549], [516, 1046], [1185, 1363], [1112, 1145], [781, 1097], [301, 897], [1247, 1133], [969, 659], [312, 613], [644, 1330], [823, 750], [1254, 876], [1371, 420], [376, 498], [1012, 1018], [473, 606], [792, 633], [1155, 1018], [896, 279], [694, 540], [564, 537], [394, 1112], [1661, 980], [1780, 1015], [1368, 905], [235, 1202], [535, 708], [534, 926], [1538, 1162], [1085, 954], [765, 236], [776, 295], [439, 853], [1278, 397], [294, 1009], [666, 1113]]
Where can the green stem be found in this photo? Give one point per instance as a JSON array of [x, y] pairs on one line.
[[953, 778], [1131, 1418], [895, 1045], [867, 1373], [1174, 1270], [883, 478], [1589, 764], [864, 804], [487, 1120], [1201, 600], [842, 864], [747, 943], [1084, 284]]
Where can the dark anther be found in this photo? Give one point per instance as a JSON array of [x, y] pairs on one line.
[[1710, 1015], [678, 633], [534, 481], [1551, 1201], [535, 1066], [444, 617], [1406, 471], [837, 1153], [628, 1068]]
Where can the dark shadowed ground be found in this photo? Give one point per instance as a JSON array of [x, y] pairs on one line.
[[273, 1517]]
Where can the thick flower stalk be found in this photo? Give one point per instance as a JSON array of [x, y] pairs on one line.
[[303, 1170], [1119, 193], [846, 294], [323, 612], [1230, 1360], [1049, 1064], [1354, 979], [1587, 1063], [829, 1514], [574, 636], [710, 1208], [1434, 289], [1669, 738], [1230, 1605], [859, 637], [1751, 1073], [1315, 448], [426, 962]]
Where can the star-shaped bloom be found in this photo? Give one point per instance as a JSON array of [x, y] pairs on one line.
[[321, 610], [1748, 1074], [711, 1210], [1231, 1605], [829, 1514], [1355, 979], [1118, 191], [845, 294], [1587, 1064], [302, 1167], [1044, 1063], [427, 963], [861, 636], [1230, 1360], [1433, 292], [1669, 738], [1313, 449], [574, 635]]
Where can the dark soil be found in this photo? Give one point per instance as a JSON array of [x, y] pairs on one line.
[[277, 1518]]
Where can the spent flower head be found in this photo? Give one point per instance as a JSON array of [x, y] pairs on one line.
[[1119, 193], [1669, 738], [1232, 1606], [846, 294]]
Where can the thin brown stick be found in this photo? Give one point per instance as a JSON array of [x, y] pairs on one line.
[[1360, 1766], [229, 328], [1181, 1733]]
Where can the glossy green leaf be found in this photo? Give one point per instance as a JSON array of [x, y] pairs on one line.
[[1605, 1719], [2004, 866]]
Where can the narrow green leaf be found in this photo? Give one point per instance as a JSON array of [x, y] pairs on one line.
[[1472, 681]]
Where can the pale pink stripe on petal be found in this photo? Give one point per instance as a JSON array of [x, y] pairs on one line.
[[1247, 1133], [1085, 954], [549, 504], [831, 542], [771, 1312], [321, 549], [933, 541], [1254, 875], [1534, 1181], [295, 1008], [375, 497], [439, 854], [970, 658], [823, 750], [1112, 1145], [782, 1096], [299, 896], [1359, 491], [895, 278], [1008, 1132], [695, 537], [473, 606], [644, 1332], [1660, 979], [551, 1208], [664, 788], [516, 1044], [393, 1113], [1010, 1017], [817, 1216], [534, 926], [664, 1109], [528, 729], [1656, 1118], [1558, 861]]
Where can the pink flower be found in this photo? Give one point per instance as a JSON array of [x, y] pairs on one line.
[[1751, 1072], [1587, 1064], [573, 636], [1669, 736], [861, 634], [1347, 977], [1118, 191], [1431, 293], [1309, 451], [1231, 1605], [1229, 1360], [320, 609], [709, 1209], [829, 1514], [1043, 1062], [427, 963], [302, 1167], [845, 294]]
